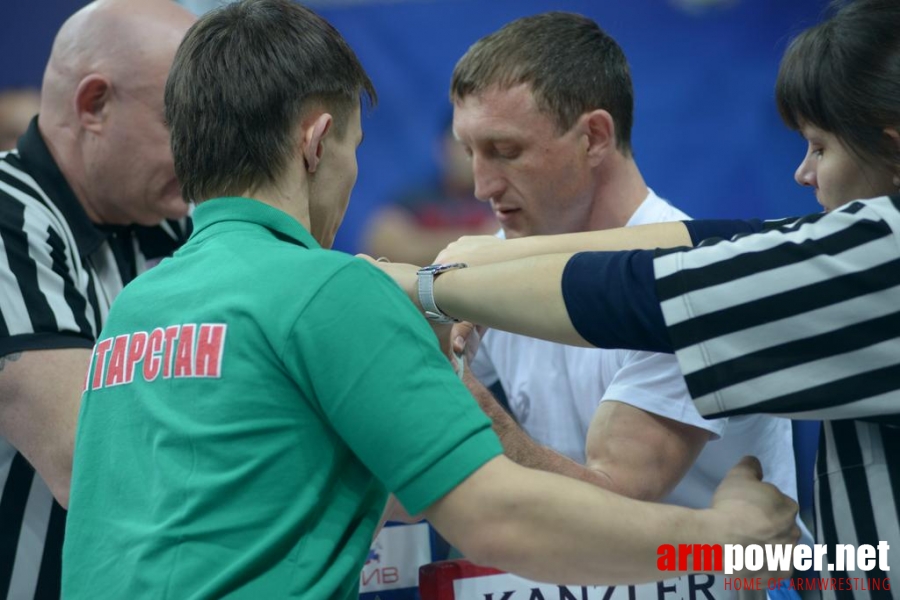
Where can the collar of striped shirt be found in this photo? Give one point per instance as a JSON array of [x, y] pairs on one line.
[[38, 161]]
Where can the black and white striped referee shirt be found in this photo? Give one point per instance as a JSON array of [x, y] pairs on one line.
[[58, 275], [800, 319]]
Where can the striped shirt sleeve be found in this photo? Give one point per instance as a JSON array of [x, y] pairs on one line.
[[42, 302], [801, 320]]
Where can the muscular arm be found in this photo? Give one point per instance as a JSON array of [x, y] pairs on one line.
[[520, 448], [629, 451], [640, 454], [39, 397], [551, 528]]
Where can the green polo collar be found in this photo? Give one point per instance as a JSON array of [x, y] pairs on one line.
[[247, 210]]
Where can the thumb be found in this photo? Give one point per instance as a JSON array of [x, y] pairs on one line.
[[748, 466], [460, 335]]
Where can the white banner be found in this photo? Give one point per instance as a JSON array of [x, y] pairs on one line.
[[395, 557], [511, 587]]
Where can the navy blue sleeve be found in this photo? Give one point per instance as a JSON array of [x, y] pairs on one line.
[[611, 296], [612, 302], [718, 228]]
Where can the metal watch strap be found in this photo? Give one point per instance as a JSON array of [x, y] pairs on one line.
[[426, 276]]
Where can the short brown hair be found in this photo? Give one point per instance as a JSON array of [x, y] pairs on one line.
[[240, 82], [571, 64]]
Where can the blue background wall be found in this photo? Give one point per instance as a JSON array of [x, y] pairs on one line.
[[707, 134]]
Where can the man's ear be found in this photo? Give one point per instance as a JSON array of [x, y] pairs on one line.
[[313, 134], [601, 134], [91, 100]]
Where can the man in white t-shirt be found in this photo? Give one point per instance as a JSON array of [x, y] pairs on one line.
[[544, 108], [555, 393]]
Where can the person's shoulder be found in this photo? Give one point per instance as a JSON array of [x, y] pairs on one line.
[[341, 284], [882, 213], [656, 209], [340, 268], [324, 259], [642, 369], [887, 207], [309, 270], [18, 187], [26, 210]]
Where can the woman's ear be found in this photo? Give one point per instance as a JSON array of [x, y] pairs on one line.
[[311, 144], [895, 136]]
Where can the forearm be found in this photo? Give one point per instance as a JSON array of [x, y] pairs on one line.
[[526, 296], [521, 449], [565, 531], [657, 235], [602, 299], [523, 296], [625, 540], [38, 413]]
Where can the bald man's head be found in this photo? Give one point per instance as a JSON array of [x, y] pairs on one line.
[[102, 108]]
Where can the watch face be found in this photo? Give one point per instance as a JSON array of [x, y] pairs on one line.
[[441, 268]]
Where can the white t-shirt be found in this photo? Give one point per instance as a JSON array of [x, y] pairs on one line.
[[554, 390]]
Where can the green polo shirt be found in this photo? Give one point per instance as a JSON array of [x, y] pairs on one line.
[[249, 403]]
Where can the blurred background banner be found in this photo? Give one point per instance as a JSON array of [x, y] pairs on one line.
[[707, 134]]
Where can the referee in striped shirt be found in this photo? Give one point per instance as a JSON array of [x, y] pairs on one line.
[[88, 200]]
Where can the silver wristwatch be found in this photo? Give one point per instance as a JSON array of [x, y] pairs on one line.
[[426, 292]]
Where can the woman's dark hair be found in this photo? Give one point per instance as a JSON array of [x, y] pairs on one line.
[[843, 76]]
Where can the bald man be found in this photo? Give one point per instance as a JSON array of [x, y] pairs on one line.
[[88, 200]]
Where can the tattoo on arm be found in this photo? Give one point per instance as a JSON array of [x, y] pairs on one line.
[[4, 360]]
